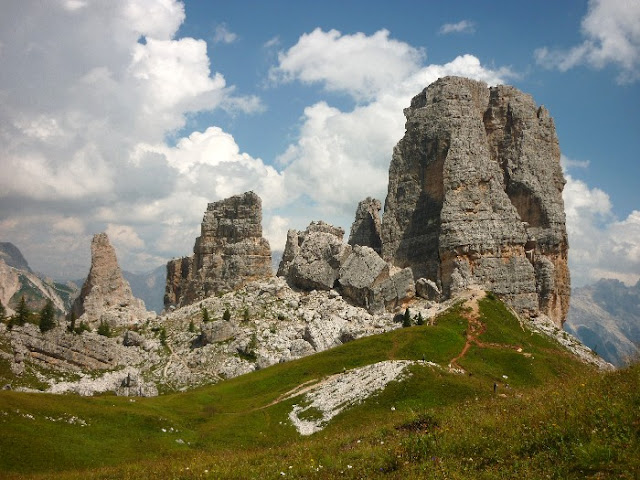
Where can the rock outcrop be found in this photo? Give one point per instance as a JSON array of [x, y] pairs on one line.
[[106, 296], [229, 252], [366, 229], [370, 282], [312, 258], [316, 259], [475, 196]]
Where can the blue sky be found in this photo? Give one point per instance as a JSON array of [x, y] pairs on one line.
[[128, 116]]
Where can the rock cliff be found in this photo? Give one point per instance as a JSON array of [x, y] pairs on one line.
[[229, 252], [366, 229], [106, 295], [475, 196]]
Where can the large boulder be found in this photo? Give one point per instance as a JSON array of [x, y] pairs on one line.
[[312, 258], [369, 281], [475, 196], [229, 253]]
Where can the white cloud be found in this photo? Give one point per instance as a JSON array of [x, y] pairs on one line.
[[463, 26], [357, 64], [611, 31], [568, 163], [223, 35], [599, 244], [86, 85], [125, 236], [342, 157]]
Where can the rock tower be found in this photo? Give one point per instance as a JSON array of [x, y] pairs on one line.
[[106, 295], [475, 196], [229, 252]]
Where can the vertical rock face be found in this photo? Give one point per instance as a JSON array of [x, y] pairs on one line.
[[106, 295], [366, 230], [229, 252], [475, 196]]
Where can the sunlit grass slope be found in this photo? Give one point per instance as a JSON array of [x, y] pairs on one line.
[[431, 424]]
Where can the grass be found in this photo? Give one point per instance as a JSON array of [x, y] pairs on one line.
[[557, 418]]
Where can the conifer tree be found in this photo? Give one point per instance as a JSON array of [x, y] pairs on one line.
[[406, 321], [205, 315], [47, 317], [226, 315], [72, 322], [420, 320], [22, 313], [3, 312]]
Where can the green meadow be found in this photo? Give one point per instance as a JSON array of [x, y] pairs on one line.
[[523, 408]]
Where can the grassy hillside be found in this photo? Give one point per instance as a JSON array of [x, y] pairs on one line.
[[433, 423]]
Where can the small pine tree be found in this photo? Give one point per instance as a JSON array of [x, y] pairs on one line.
[[205, 315], [245, 314], [163, 337], [192, 327], [406, 321], [226, 315], [104, 329], [22, 314], [71, 328], [420, 320], [47, 317]]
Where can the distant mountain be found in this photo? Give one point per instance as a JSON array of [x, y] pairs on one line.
[[606, 317], [12, 256], [149, 287], [17, 280]]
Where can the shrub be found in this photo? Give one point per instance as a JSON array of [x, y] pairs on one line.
[[192, 327], [205, 315], [226, 315], [104, 329]]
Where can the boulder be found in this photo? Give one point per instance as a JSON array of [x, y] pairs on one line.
[[313, 258]]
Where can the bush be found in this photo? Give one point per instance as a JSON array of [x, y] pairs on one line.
[[83, 327], [163, 336], [226, 315], [104, 329], [205, 315], [245, 314], [192, 327]]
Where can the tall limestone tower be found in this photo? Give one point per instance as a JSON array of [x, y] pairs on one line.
[[475, 196]]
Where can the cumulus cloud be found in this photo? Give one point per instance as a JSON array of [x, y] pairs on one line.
[[463, 26], [611, 31], [341, 157], [359, 65], [85, 87], [599, 244]]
